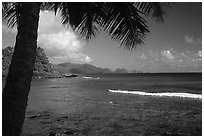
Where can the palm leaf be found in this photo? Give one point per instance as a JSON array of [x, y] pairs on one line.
[[11, 13], [123, 21], [53, 6], [83, 17], [125, 24], [154, 9]]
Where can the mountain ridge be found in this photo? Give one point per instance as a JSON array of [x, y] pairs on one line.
[[44, 69], [68, 67]]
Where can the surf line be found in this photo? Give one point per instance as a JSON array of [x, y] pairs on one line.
[[165, 94], [85, 77]]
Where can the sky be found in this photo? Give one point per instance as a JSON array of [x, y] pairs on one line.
[[172, 46]]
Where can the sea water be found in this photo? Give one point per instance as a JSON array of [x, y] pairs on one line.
[[63, 93]]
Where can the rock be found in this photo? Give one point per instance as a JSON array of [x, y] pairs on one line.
[[65, 117], [68, 132], [34, 116], [52, 134]]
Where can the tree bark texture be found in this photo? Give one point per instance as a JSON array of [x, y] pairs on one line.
[[18, 81]]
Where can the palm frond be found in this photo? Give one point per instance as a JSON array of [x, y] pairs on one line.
[[51, 6], [123, 21], [11, 13], [91, 20], [83, 17], [5, 5], [154, 9], [125, 24]]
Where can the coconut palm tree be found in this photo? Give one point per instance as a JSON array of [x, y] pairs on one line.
[[124, 22]]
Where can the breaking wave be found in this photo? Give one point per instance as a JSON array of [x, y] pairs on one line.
[[85, 77], [165, 94]]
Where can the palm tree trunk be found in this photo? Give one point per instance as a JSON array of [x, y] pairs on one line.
[[18, 81]]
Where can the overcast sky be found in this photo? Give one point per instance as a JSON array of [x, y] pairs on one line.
[[175, 46]]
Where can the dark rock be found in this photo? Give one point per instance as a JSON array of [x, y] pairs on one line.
[[65, 117], [52, 134], [34, 116], [68, 132]]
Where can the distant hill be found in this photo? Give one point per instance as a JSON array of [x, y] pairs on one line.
[[43, 68], [120, 71], [68, 67]]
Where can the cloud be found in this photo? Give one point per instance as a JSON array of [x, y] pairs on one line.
[[60, 43], [192, 40], [187, 59], [63, 41], [63, 46], [9, 30], [167, 54], [184, 59], [143, 56], [170, 59], [49, 23], [73, 57], [199, 58], [200, 54]]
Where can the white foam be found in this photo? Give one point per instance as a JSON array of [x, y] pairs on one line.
[[85, 77], [169, 94]]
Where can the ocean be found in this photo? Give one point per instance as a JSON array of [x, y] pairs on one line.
[[99, 88]]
